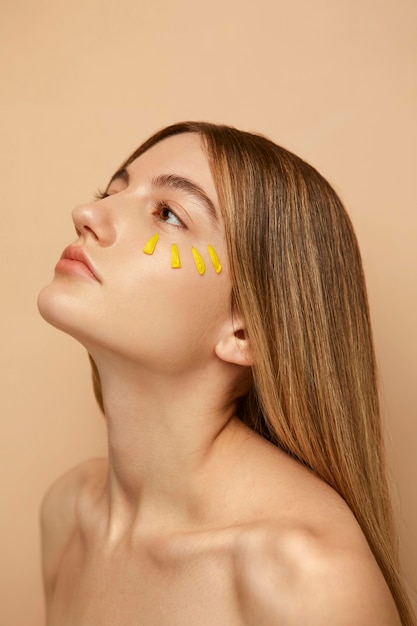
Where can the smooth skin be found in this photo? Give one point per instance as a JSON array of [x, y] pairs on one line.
[[193, 519]]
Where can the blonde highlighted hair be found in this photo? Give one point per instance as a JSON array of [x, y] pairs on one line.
[[298, 282]]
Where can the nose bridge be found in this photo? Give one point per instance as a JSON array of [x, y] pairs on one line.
[[94, 220]]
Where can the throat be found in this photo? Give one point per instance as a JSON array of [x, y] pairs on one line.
[[158, 478], [163, 442]]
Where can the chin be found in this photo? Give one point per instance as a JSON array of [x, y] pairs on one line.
[[59, 309], [70, 309]]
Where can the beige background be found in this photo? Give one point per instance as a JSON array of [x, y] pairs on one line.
[[83, 82]]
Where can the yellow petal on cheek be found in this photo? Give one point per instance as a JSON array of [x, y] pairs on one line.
[[175, 256], [214, 259], [151, 244], [199, 263]]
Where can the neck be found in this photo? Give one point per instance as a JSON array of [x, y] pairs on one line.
[[165, 434]]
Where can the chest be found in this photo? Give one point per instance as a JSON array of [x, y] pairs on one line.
[[140, 587]]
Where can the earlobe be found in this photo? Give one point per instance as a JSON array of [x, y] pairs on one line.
[[234, 347]]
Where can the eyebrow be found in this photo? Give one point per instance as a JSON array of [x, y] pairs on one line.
[[173, 181]]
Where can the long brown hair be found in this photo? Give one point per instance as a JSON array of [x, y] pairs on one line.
[[298, 282]]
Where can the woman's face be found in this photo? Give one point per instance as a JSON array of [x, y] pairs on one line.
[[136, 304]]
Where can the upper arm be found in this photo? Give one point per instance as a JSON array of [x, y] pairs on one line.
[[58, 521], [345, 589], [300, 580]]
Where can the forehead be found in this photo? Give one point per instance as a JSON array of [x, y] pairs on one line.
[[183, 155]]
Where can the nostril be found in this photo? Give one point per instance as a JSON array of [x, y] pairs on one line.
[[86, 230], [90, 230]]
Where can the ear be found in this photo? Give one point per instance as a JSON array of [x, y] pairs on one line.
[[233, 346]]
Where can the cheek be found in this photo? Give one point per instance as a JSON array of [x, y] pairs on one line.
[[179, 297], [181, 272], [197, 303], [144, 308], [170, 311]]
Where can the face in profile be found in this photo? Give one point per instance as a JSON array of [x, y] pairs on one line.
[[158, 308]]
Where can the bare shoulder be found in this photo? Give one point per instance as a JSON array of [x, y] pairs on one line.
[[302, 558], [299, 576], [58, 514]]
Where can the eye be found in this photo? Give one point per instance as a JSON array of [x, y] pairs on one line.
[[164, 213], [100, 195]]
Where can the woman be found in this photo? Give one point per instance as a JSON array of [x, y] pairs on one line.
[[218, 288]]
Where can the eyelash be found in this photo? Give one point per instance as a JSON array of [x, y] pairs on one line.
[[100, 195], [159, 205]]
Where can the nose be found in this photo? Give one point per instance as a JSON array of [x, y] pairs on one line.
[[94, 221]]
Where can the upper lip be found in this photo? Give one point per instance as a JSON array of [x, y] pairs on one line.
[[76, 253]]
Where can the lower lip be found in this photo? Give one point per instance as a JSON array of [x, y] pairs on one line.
[[71, 266]]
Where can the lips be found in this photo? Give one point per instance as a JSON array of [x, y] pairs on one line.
[[74, 260]]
